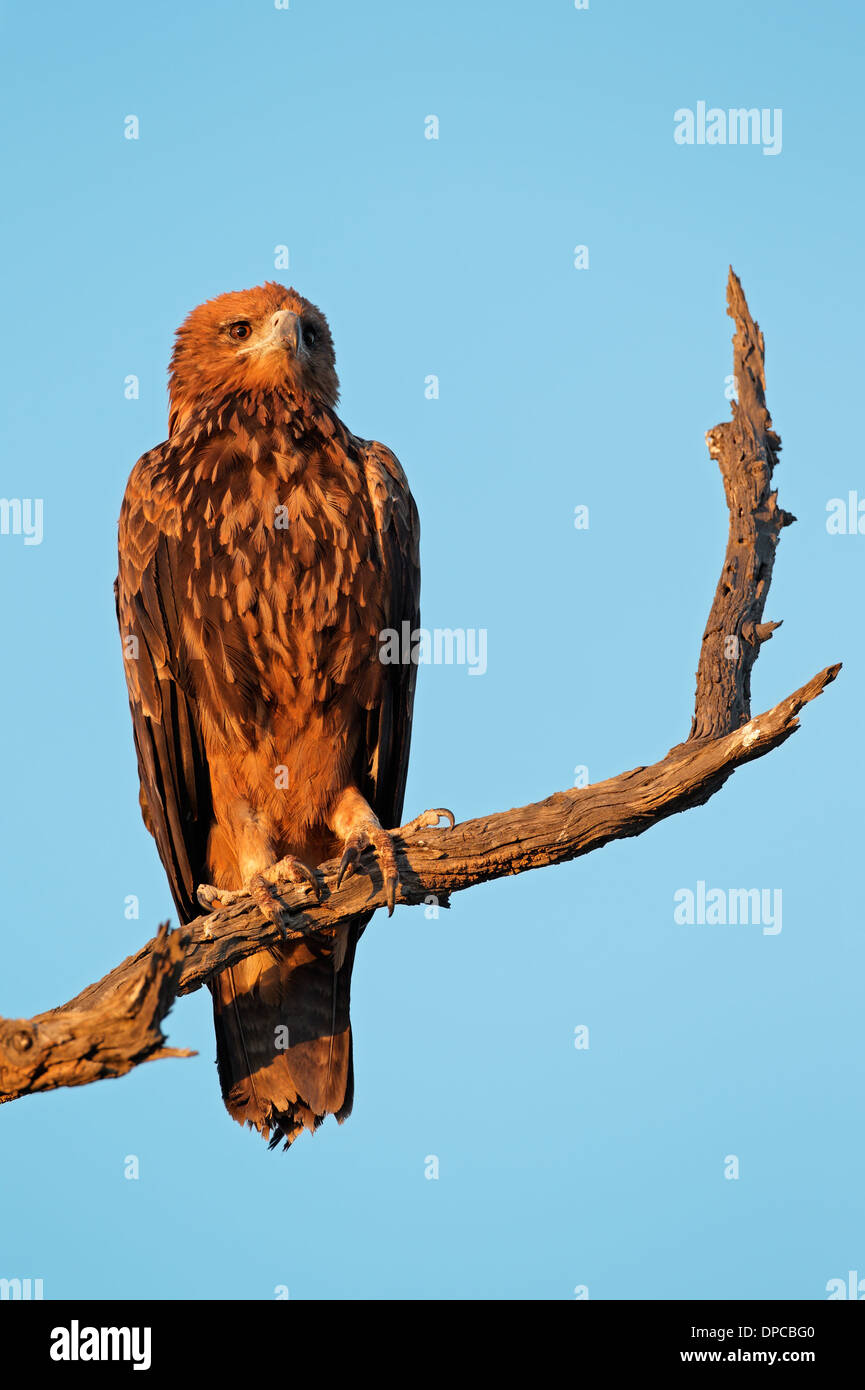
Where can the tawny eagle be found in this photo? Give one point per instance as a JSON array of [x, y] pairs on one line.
[[263, 551]]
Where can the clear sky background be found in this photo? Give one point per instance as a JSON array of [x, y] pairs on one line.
[[258, 128]]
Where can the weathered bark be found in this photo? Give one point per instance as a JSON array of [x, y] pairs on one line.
[[106, 1031], [746, 449], [115, 1023]]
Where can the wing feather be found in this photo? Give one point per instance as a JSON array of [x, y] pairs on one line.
[[388, 730], [172, 766]]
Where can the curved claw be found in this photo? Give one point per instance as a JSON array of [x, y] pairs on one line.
[[350, 856], [380, 842], [391, 883], [213, 899], [306, 873], [429, 820]]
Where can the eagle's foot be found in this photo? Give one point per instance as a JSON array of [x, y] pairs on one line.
[[267, 887], [290, 870], [429, 820], [371, 836], [368, 834], [264, 888]]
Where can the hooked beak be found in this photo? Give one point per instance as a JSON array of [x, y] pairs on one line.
[[285, 331]]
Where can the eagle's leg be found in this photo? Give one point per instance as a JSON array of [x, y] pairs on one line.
[[242, 849], [353, 821], [359, 828]]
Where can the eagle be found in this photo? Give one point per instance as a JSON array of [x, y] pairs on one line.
[[263, 551]]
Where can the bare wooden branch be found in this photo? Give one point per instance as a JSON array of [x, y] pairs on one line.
[[114, 1024], [106, 1031], [746, 449]]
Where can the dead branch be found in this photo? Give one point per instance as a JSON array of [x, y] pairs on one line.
[[747, 449], [79, 1043], [115, 1023]]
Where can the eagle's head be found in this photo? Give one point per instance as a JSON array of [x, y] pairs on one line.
[[262, 340]]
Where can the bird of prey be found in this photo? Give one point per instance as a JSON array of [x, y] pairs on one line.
[[263, 549]]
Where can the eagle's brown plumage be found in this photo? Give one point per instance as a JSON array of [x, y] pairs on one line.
[[263, 549]]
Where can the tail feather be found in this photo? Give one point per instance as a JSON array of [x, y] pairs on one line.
[[283, 1038]]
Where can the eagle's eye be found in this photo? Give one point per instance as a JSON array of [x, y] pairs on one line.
[[241, 329], [308, 336]]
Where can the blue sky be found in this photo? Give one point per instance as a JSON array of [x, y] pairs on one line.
[[558, 1167]]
